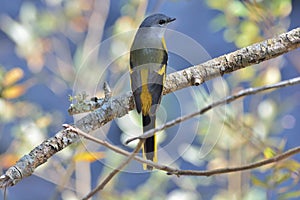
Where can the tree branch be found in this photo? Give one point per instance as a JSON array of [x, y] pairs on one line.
[[178, 172], [254, 165], [119, 150], [226, 100], [198, 74], [170, 170], [115, 171], [119, 106], [173, 171]]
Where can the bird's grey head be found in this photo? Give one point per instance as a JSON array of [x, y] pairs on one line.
[[156, 20]]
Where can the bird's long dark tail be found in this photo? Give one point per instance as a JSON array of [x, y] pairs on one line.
[[150, 145]]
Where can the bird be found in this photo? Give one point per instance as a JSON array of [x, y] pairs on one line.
[[148, 63]]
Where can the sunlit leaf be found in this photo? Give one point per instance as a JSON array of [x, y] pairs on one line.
[[13, 91], [218, 22], [230, 34], [245, 74], [44, 121], [281, 177], [291, 165], [28, 12], [124, 23], [283, 8], [70, 98], [13, 76], [217, 4], [237, 8], [269, 153], [19, 33], [88, 156], [249, 34], [267, 109], [7, 110], [257, 182], [250, 28], [242, 40], [255, 193], [7, 160], [272, 75], [47, 23]]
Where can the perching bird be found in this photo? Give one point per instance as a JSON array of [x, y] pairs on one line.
[[148, 61]]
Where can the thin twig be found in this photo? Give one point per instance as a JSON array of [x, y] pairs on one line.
[[178, 172], [115, 171], [170, 170], [117, 149], [226, 100], [254, 165]]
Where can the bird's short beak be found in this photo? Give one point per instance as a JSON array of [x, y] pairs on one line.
[[171, 19]]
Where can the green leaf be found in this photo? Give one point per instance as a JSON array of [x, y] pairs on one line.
[[237, 8], [217, 4], [259, 183], [290, 165], [281, 177], [289, 195], [218, 23], [269, 153]]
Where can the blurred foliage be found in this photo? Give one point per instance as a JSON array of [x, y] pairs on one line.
[[61, 42], [88, 156], [9, 89], [244, 23], [27, 122]]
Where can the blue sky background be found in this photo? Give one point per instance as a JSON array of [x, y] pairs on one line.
[[193, 19]]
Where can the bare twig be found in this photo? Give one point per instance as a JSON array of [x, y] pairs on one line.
[[254, 165], [115, 171], [226, 100], [107, 91], [116, 149], [170, 170], [178, 172]]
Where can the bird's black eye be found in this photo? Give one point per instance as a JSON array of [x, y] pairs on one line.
[[161, 22]]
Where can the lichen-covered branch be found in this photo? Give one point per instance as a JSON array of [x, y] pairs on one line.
[[198, 74], [114, 107], [39, 155], [236, 60]]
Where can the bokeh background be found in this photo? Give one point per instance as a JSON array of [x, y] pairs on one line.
[[53, 50]]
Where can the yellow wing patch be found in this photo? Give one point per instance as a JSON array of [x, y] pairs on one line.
[[162, 70], [146, 98], [164, 43]]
